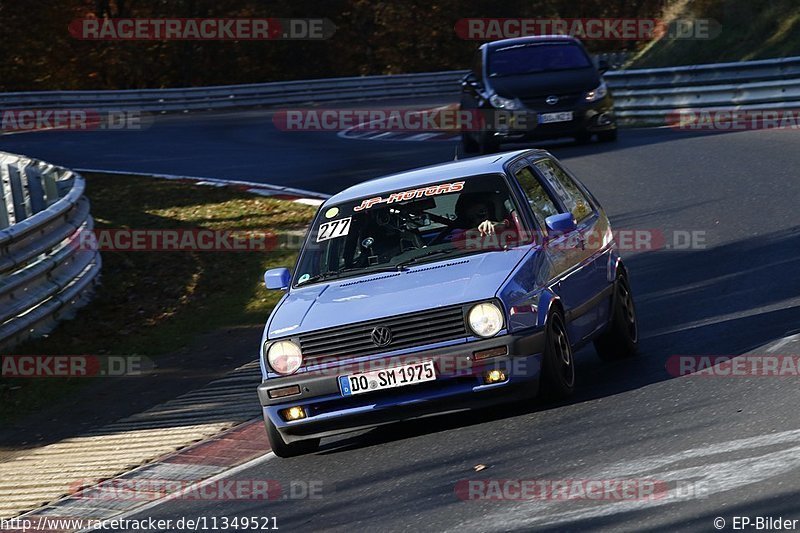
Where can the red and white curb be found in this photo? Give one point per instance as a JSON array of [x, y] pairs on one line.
[[185, 473], [264, 189], [55, 472]]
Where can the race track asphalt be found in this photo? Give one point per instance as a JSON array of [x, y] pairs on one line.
[[732, 444]]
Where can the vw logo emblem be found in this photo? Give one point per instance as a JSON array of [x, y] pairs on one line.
[[381, 336], [552, 100]]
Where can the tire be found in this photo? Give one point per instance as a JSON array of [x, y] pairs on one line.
[[558, 362], [621, 338], [282, 449], [607, 136], [583, 137], [469, 144]]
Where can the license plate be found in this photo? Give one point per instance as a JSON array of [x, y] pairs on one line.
[[547, 118], [388, 378]]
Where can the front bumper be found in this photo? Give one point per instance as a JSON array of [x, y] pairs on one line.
[[587, 117], [459, 386]]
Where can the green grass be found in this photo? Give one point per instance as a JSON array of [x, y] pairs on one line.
[[152, 303], [750, 30]]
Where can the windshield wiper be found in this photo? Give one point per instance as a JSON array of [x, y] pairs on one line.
[[417, 258], [332, 274]]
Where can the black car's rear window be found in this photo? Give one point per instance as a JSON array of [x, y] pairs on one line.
[[537, 57]]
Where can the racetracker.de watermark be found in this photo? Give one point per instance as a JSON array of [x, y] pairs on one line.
[[733, 120], [447, 118], [18, 120], [733, 366], [476, 364], [561, 489], [146, 489], [628, 240], [608, 29], [183, 240], [201, 29], [74, 366]]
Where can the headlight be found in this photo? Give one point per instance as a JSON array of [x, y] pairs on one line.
[[600, 92], [284, 357], [485, 319], [503, 103]]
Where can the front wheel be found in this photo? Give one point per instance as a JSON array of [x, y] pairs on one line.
[[284, 449], [558, 363], [621, 338]]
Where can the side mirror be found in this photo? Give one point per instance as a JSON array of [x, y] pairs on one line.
[[277, 278], [561, 223], [603, 66]]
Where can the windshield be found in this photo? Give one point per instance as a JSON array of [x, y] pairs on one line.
[[408, 227], [532, 58]]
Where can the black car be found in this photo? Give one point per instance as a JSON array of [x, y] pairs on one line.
[[539, 87]]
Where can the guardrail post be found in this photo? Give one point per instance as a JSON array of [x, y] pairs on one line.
[[17, 193], [49, 177], [5, 197], [35, 189]]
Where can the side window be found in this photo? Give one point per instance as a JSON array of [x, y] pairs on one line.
[[565, 189], [541, 203]]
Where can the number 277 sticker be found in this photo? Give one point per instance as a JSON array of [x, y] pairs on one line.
[[333, 229]]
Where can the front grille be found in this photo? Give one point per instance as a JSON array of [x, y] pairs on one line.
[[408, 331]]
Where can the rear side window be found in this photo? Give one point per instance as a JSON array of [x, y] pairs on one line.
[[541, 203], [569, 193]]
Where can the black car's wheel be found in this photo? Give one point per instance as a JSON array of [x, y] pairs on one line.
[[469, 144], [621, 339], [558, 363], [607, 136], [282, 449]]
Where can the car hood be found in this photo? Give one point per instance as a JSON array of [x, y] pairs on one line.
[[546, 83], [385, 294]]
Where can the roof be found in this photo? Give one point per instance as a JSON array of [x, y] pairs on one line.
[[428, 175], [531, 39]]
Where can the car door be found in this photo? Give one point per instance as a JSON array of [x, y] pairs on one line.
[[584, 284], [558, 257]]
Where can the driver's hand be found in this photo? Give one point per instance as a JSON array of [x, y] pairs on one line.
[[487, 227]]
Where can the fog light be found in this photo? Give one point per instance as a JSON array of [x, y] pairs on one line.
[[294, 413], [604, 120], [494, 376]]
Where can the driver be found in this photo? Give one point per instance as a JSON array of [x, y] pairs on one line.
[[476, 211]]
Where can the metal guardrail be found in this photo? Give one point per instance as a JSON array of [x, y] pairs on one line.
[[649, 96], [642, 96], [231, 96], [44, 272]]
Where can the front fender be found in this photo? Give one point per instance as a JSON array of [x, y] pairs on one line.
[[547, 300]]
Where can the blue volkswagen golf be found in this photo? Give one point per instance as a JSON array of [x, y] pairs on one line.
[[441, 289]]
